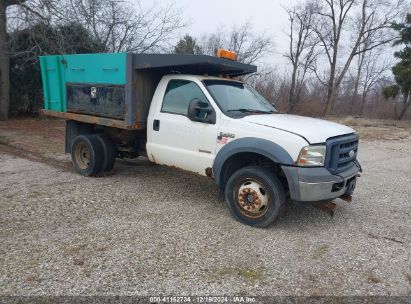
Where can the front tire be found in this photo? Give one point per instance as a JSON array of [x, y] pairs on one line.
[[254, 196], [87, 155]]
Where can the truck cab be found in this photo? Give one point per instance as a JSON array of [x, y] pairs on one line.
[[221, 128]]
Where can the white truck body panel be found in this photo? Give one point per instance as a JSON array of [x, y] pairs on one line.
[[181, 142], [314, 130], [241, 128], [192, 146]]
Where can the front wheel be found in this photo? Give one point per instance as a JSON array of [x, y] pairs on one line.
[[254, 196]]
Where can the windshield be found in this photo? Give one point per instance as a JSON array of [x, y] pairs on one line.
[[238, 98]]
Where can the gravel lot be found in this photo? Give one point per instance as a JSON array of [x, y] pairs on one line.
[[150, 230]]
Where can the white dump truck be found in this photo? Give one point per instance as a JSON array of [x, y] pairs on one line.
[[190, 112]]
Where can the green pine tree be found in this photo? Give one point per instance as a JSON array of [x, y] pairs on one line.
[[402, 70], [187, 45]]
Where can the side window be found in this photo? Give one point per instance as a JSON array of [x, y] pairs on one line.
[[178, 95]]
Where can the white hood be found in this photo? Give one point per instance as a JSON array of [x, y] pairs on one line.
[[314, 130]]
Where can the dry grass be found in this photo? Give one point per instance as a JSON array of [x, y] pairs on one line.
[[372, 278], [74, 249], [320, 251], [378, 129], [366, 122], [244, 273], [4, 140], [42, 136], [376, 133]]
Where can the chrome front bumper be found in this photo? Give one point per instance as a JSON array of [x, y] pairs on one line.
[[318, 184]]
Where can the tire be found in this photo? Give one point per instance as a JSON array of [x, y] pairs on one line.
[[109, 152], [87, 155], [254, 196]]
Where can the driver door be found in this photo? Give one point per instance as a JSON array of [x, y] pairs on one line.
[[175, 139]]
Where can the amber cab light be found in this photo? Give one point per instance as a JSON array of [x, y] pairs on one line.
[[222, 53]]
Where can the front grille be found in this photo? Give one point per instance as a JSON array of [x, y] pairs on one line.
[[338, 157]]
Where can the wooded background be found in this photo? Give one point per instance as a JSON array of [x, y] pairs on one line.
[[344, 57]]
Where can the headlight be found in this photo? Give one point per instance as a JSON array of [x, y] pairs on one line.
[[312, 156]]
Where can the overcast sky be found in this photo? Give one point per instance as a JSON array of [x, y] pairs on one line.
[[207, 16]]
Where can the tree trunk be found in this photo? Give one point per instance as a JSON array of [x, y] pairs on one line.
[[291, 94], [4, 65], [363, 97], [354, 97], [405, 105], [329, 104]]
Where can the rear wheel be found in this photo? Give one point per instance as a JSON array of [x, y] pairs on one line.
[[254, 196], [109, 152], [87, 155]]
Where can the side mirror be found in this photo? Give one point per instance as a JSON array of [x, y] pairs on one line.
[[201, 111]]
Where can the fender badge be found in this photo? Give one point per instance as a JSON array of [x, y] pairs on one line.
[[223, 137], [226, 134]]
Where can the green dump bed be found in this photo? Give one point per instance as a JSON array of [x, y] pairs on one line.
[[115, 89]]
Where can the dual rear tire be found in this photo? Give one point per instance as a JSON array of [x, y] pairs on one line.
[[92, 154]]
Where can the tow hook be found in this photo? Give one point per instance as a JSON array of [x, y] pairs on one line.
[[357, 163]]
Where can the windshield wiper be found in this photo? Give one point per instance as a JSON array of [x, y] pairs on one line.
[[250, 111]]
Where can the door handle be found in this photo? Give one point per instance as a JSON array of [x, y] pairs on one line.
[[156, 125]]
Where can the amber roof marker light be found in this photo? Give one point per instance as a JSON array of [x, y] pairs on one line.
[[226, 54]]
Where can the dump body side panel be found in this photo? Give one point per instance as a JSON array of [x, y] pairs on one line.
[[91, 84], [95, 68], [53, 83], [105, 100]]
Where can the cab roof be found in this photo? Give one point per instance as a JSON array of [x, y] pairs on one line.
[[202, 77], [191, 64]]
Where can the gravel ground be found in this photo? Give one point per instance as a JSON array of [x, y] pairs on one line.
[[150, 230]]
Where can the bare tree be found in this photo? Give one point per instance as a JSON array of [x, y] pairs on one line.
[[369, 70], [302, 51], [361, 58], [209, 43], [122, 26], [339, 21], [5, 56], [267, 84], [5, 59], [249, 45], [37, 18]]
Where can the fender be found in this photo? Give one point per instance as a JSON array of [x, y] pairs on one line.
[[264, 147]]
